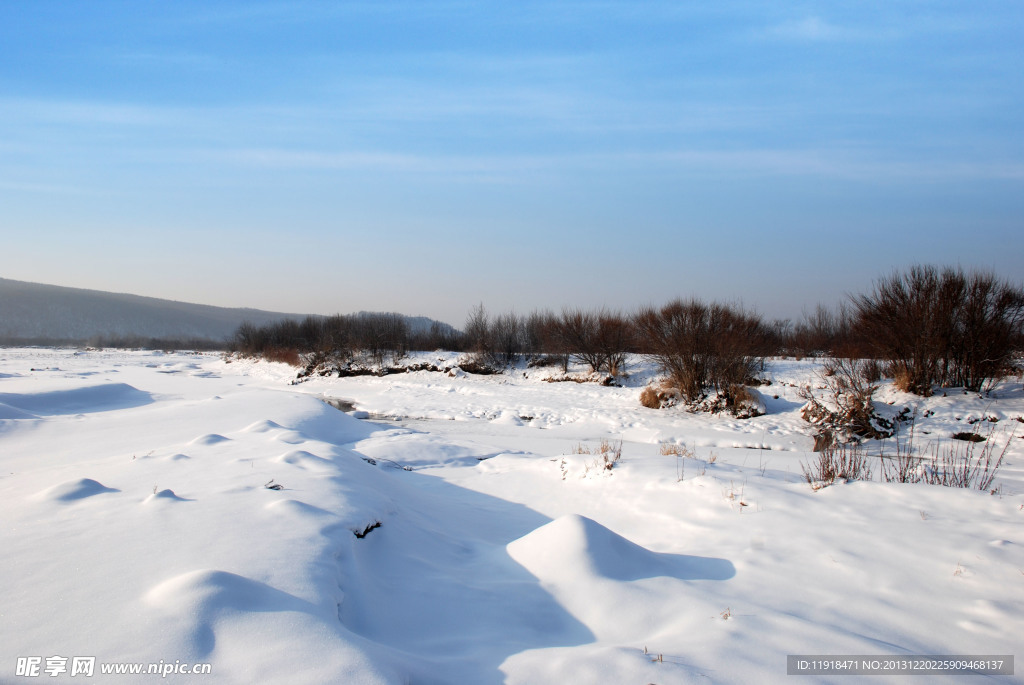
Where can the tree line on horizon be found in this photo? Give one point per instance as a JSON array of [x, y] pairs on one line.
[[926, 326]]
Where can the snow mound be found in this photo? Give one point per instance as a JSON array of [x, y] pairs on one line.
[[291, 438], [573, 546], [198, 598], [95, 398], [507, 418], [297, 509], [74, 490], [305, 460], [205, 590], [209, 439], [165, 495], [262, 426]]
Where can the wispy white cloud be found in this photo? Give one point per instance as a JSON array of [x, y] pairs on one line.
[[82, 112], [863, 165], [816, 29], [43, 188], [842, 164], [145, 59]]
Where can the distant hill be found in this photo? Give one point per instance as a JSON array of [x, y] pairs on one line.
[[33, 313]]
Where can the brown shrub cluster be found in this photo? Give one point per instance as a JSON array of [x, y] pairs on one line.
[[703, 346], [941, 327]]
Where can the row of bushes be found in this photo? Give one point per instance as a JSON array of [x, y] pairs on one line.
[[344, 337], [700, 347], [926, 326]]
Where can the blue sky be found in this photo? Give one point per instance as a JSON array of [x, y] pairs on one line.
[[425, 156]]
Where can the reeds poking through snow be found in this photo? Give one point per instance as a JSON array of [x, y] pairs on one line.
[[961, 464], [680, 452], [971, 464], [843, 461]]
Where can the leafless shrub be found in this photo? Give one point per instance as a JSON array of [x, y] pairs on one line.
[[334, 340], [578, 331], [942, 327], [477, 332], [380, 336], [506, 335], [700, 346], [845, 462], [822, 333], [598, 339], [614, 338], [847, 410], [545, 340], [871, 371]]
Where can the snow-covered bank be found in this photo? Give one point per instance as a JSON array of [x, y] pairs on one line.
[[139, 527]]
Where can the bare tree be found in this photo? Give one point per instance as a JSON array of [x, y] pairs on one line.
[[578, 330], [506, 335], [478, 331]]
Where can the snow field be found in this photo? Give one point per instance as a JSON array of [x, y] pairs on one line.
[[139, 527]]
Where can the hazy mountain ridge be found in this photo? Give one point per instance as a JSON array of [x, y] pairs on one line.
[[35, 311]]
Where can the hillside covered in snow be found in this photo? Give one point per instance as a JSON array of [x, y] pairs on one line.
[[32, 313]]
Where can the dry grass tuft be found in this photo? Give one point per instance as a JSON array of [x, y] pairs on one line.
[[609, 453], [660, 396], [649, 398], [670, 449], [845, 462]]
